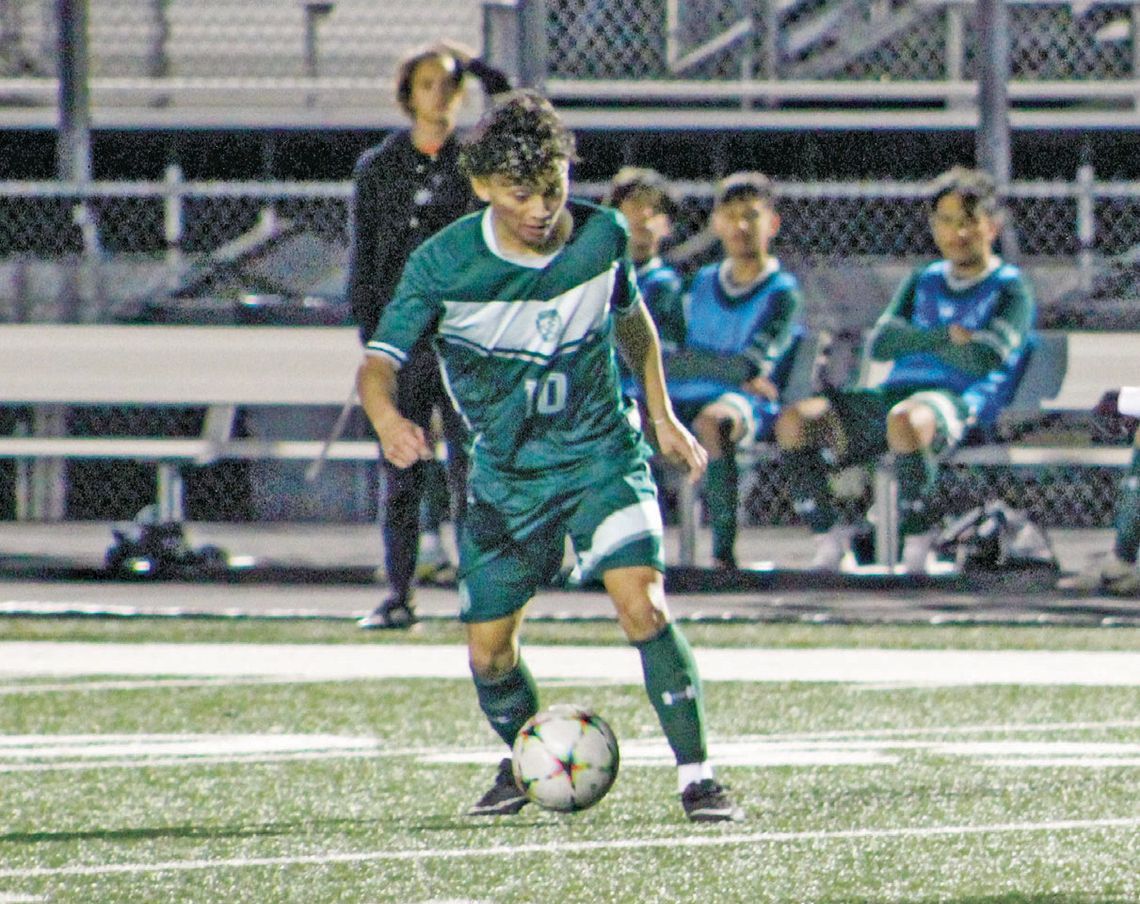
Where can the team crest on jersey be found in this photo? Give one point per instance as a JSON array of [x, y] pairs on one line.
[[549, 325]]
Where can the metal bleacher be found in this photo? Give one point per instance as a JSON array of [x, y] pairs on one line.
[[610, 63], [227, 62]]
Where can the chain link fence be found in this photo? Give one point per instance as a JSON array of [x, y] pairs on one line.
[[832, 39], [187, 252]]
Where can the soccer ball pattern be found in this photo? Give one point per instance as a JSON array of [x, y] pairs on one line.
[[565, 758]]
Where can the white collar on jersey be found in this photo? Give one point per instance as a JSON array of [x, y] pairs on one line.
[[957, 284], [533, 261], [735, 291], [652, 264]]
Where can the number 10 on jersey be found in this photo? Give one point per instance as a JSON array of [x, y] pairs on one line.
[[547, 395]]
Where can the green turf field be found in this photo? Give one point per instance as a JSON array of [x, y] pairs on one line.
[[164, 788]]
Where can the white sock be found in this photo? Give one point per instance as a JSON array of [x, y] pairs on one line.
[[430, 544], [687, 773]]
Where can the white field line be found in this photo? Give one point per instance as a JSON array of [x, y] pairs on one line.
[[82, 686], [187, 762], [561, 848], [339, 662], [46, 752]]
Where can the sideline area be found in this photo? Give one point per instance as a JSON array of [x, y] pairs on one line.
[[331, 551], [574, 664]]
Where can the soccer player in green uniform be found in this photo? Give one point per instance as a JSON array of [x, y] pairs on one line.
[[526, 302], [956, 335]]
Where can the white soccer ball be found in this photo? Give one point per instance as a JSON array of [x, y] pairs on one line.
[[565, 758]]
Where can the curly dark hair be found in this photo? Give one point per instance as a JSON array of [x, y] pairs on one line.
[[520, 138]]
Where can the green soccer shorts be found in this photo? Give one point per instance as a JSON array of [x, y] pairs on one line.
[[863, 413], [612, 523]]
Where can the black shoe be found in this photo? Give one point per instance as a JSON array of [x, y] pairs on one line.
[[707, 801], [395, 613], [504, 798]]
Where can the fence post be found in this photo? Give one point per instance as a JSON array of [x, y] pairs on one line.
[[955, 52], [173, 223], [502, 37], [1086, 227], [1136, 47], [532, 63]]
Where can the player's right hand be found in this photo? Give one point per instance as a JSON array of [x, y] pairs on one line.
[[679, 447], [403, 442]]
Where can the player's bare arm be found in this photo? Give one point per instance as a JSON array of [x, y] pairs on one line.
[[638, 343], [402, 440]]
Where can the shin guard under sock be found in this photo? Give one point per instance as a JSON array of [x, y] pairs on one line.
[[807, 475], [721, 493], [509, 701], [916, 472], [674, 689]]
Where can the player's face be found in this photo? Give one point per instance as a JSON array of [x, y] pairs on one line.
[[528, 217], [435, 94], [648, 225], [966, 240], [745, 226]]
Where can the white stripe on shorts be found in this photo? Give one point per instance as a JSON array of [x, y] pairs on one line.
[[947, 413], [627, 525]]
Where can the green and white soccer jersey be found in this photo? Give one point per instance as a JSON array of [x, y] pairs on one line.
[[528, 357]]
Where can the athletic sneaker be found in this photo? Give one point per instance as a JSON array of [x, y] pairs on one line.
[[833, 550], [504, 798], [707, 801], [1104, 571], [394, 614]]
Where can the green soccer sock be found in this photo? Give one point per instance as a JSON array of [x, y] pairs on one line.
[[721, 494], [1128, 513], [674, 689], [509, 701], [807, 476], [916, 472]]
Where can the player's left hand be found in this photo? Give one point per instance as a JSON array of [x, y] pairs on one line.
[[959, 335], [461, 52], [680, 447], [763, 387]]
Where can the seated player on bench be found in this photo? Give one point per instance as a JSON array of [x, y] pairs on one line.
[[956, 335]]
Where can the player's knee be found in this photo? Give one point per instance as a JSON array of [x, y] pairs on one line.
[[492, 649], [908, 430], [490, 664], [790, 429], [639, 598], [710, 430], [642, 623]]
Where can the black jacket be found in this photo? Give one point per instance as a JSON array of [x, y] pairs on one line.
[[400, 198]]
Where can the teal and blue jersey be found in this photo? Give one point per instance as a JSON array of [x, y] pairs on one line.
[[751, 329], [913, 334]]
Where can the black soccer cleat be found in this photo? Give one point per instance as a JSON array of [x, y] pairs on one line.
[[394, 614], [707, 801], [505, 797]]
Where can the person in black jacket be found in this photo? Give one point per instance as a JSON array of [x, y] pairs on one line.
[[404, 191]]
